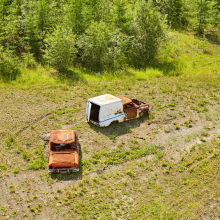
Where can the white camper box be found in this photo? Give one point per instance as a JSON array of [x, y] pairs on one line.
[[103, 110]]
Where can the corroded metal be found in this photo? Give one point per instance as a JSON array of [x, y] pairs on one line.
[[63, 151]]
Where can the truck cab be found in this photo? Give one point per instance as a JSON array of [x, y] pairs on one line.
[[105, 109]]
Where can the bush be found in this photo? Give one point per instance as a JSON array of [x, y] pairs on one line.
[[37, 164], [60, 48], [29, 60], [9, 69], [94, 44], [148, 30]]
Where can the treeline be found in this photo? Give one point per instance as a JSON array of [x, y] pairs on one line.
[[93, 33]]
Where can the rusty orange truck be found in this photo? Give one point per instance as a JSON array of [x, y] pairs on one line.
[[63, 151], [105, 109]]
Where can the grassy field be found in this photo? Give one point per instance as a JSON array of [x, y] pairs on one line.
[[161, 166]]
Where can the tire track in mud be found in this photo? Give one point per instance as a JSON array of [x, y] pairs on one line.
[[164, 121], [36, 121]]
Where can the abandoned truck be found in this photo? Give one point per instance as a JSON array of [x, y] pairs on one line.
[[63, 151], [105, 109]]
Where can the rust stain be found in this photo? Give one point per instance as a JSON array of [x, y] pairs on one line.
[[133, 107], [118, 112], [124, 100]]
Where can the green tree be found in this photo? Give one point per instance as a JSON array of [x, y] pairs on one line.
[[216, 13], [9, 69], [76, 17], [95, 44], [174, 11], [202, 16], [31, 37], [43, 15], [4, 10], [121, 19], [148, 30]]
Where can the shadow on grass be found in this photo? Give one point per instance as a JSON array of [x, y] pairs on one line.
[[213, 38], [116, 129], [173, 68], [69, 76], [70, 176]]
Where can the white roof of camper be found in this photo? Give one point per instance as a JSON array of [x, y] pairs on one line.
[[104, 99]]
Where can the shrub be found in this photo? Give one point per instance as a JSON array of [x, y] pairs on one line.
[[60, 48], [37, 165], [9, 69], [29, 60], [94, 44], [148, 30]]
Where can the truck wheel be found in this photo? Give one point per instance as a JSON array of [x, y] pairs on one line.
[[116, 121]]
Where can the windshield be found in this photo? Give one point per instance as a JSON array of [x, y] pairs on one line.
[[62, 147]]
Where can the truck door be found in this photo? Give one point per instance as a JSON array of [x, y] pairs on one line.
[[130, 111], [88, 109]]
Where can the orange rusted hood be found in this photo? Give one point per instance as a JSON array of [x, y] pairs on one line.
[[124, 99], [62, 136], [64, 159]]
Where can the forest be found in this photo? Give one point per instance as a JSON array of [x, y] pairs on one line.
[[95, 34]]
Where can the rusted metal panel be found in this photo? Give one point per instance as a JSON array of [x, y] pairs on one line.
[[130, 111], [62, 136], [124, 100]]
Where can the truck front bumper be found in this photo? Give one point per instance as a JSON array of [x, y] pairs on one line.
[[62, 170]]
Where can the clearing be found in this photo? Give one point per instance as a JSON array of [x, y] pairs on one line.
[[161, 166]]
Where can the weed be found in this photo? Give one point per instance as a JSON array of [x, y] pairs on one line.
[[59, 190], [16, 171], [97, 155], [85, 150], [38, 164], [32, 209], [134, 141], [204, 134], [160, 155], [205, 109], [113, 138], [2, 167], [193, 148], [130, 173], [149, 168], [177, 127], [12, 189], [202, 103], [10, 141], [121, 145]]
